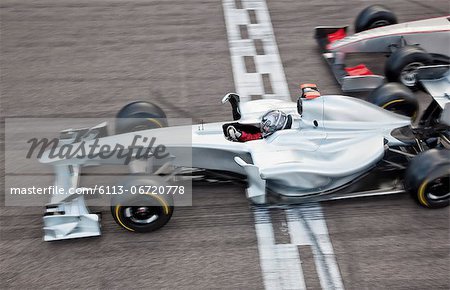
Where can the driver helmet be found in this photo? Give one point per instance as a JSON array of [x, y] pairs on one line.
[[273, 121]]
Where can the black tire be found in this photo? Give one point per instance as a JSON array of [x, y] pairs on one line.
[[138, 116], [402, 65], [396, 98], [374, 16], [142, 213], [427, 178]]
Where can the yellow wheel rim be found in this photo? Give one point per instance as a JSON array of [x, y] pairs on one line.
[[155, 121], [421, 193], [392, 102], [119, 220], [165, 206]]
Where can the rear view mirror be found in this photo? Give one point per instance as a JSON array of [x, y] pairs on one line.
[[234, 100]]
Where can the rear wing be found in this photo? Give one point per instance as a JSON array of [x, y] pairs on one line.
[[49, 150], [436, 80], [70, 136]]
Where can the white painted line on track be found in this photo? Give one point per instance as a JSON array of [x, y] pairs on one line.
[[307, 226], [280, 263], [251, 84]]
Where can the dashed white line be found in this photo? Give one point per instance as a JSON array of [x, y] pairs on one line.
[[280, 263], [250, 83], [307, 226]]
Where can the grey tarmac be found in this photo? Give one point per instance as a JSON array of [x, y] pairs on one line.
[[84, 58]]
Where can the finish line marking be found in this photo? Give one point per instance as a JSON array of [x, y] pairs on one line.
[[254, 51], [280, 264], [258, 73], [307, 227]]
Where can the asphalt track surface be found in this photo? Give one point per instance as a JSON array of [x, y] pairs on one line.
[[88, 58]]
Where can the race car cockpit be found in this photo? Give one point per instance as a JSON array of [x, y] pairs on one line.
[[271, 122]]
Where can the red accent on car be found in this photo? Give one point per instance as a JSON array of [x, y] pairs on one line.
[[311, 95], [302, 86], [339, 34], [249, 137], [358, 70], [309, 91]]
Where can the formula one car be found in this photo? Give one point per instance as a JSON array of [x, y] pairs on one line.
[[409, 45], [329, 147]]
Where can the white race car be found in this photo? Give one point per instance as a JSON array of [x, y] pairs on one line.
[[329, 147], [409, 45]]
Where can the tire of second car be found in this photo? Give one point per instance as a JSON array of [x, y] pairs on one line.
[[402, 65], [374, 16]]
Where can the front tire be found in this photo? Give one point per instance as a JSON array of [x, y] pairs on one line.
[[428, 178], [374, 16], [402, 65], [395, 98], [142, 212], [137, 116]]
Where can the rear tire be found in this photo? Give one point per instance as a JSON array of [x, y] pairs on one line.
[[142, 212], [402, 65], [428, 178], [374, 16], [396, 98], [138, 116]]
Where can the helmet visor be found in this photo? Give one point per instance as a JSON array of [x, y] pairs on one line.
[[272, 121]]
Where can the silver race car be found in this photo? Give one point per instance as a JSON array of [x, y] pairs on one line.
[[318, 148], [409, 45]]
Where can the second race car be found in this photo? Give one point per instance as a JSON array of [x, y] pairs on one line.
[[409, 46]]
